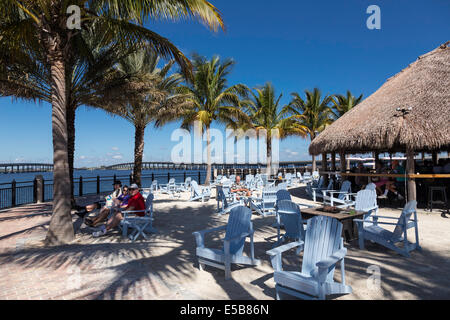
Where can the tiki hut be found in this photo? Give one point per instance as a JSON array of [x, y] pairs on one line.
[[409, 113]]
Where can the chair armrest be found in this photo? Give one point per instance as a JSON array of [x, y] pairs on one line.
[[200, 235], [285, 247], [275, 253], [332, 260], [324, 266]]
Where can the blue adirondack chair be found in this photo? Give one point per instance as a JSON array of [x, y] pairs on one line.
[[322, 249], [282, 186], [344, 198], [199, 193], [283, 194], [239, 227], [317, 192], [289, 215], [140, 225], [266, 204], [369, 229], [223, 207]]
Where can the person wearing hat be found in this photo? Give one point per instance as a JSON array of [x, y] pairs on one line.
[[135, 203], [109, 202]]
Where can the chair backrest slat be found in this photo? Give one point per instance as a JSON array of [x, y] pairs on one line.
[[323, 237], [291, 218], [239, 222], [407, 211], [345, 187]]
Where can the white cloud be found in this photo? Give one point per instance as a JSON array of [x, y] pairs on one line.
[[118, 157], [115, 148]]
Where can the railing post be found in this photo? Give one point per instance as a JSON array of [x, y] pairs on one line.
[[13, 193], [80, 187], [199, 177], [168, 177], [98, 184], [153, 176], [114, 178], [184, 176], [34, 190], [131, 178]]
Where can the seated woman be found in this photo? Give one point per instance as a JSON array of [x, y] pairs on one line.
[[118, 203]]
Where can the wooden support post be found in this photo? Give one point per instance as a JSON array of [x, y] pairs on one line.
[[410, 168], [324, 168], [333, 161], [342, 161]]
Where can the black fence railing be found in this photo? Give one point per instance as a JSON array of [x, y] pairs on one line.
[[18, 193]]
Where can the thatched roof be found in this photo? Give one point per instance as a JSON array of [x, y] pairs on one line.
[[375, 124]]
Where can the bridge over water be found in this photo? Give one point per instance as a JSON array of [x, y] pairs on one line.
[[44, 167], [202, 166], [25, 167]]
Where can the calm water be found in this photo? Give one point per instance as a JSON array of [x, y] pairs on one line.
[[121, 174], [24, 182]]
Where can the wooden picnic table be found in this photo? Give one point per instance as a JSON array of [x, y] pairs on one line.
[[349, 228]]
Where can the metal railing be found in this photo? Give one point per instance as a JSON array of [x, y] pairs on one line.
[[25, 192]]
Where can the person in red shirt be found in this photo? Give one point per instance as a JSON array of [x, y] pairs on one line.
[[135, 203]]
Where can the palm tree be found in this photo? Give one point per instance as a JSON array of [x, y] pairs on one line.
[[28, 77], [313, 114], [42, 26], [147, 94], [211, 100], [342, 103], [264, 111]]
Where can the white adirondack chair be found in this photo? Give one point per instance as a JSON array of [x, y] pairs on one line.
[[369, 229], [199, 193], [322, 248], [140, 225], [186, 186], [170, 188], [154, 186], [266, 204], [344, 196], [239, 227]]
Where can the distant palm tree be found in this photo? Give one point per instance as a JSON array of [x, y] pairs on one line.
[[212, 100], [265, 113], [42, 26], [343, 104], [141, 93], [313, 114]]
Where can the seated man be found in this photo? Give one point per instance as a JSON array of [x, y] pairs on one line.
[[239, 189], [118, 203], [109, 202], [135, 203]]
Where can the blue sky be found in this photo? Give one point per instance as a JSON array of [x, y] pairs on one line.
[[294, 44]]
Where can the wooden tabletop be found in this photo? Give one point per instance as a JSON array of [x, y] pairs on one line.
[[340, 216]]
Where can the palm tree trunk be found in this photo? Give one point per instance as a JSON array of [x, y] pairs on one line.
[[314, 166], [138, 153], [61, 227], [269, 154], [71, 147], [208, 155]]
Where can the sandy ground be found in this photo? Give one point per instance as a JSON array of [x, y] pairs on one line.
[[165, 266]]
